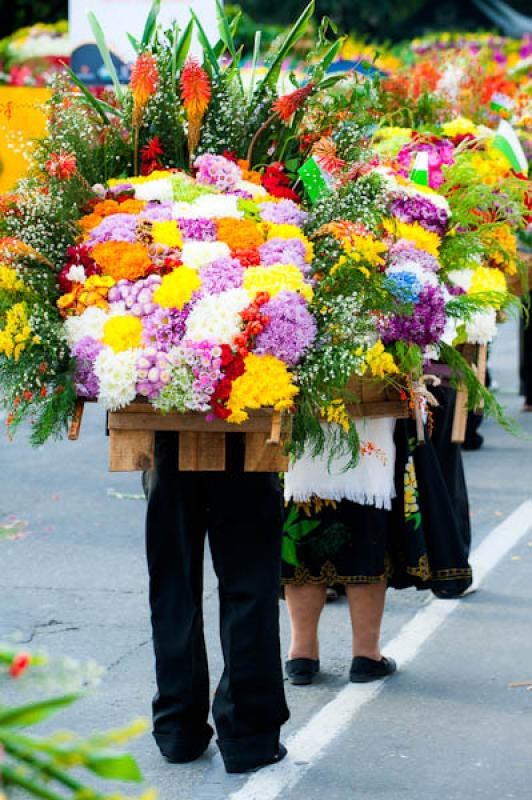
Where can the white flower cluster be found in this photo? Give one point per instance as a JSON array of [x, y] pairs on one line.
[[162, 190], [216, 317], [90, 323], [117, 375], [481, 328], [199, 254]]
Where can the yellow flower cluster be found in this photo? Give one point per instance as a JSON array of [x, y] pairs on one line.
[[490, 165], [9, 280], [380, 363], [336, 413], [122, 333], [14, 337], [502, 237], [488, 279], [415, 233], [276, 230], [153, 176], [167, 233], [177, 288], [91, 293], [276, 278], [361, 248], [266, 382], [459, 127]]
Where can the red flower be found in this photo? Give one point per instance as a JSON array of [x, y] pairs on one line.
[[61, 165], [276, 182], [19, 664], [248, 256], [230, 156], [144, 80], [150, 156], [286, 106]]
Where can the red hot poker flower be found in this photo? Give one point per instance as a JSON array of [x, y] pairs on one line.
[[144, 80], [196, 96]]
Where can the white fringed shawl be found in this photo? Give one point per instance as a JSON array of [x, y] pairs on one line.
[[371, 482]]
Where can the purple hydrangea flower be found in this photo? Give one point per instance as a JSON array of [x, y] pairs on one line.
[[426, 324], [284, 251], [165, 327], [198, 230], [85, 352], [290, 330], [137, 296], [420, 209], [220, 275], [401, 254], [116, 228], [285, 212], [153, 372]]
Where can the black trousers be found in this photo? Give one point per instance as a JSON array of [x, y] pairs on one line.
[[242, 515]]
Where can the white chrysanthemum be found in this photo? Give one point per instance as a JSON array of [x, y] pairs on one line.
[[76, 274], [90, 323], [217, 205], [252, 188], [216, 318], [117, 375], [461, 278], [199, 254], [155, 190], [482, 327], [425, 276]]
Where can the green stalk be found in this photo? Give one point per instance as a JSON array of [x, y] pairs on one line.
[[11, 777]]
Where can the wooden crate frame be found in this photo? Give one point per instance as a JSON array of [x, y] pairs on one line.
[[377, 399], [476, 356], [202, 444]]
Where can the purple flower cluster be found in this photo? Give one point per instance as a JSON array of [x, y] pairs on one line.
[[85, 352], [284, 251], [198, 230], [116, 228], [404, 255], [153, 372], [137, 296], [285, 212], [420, 209], [157, 212], [426, 324], [205, 361], [165, 327], [291, 328], [220, 275], [217, 171]]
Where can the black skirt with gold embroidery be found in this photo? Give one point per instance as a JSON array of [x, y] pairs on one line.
[[417, 543]]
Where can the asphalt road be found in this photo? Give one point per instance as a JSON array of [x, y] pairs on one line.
[[447, 727]]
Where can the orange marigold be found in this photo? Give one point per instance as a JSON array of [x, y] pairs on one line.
[[89, 221], [239, 234], [122, 260], [107, 207]]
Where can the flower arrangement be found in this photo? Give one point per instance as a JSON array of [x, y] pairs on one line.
[[33, 56]]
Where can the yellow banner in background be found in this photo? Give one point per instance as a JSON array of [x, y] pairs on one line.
[[22, 119]]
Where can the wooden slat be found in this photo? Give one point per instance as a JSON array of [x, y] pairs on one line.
[[201, 452], [129, 419], [75, 425], [130, 451], [262, 456], [460, 416], [386, 408]]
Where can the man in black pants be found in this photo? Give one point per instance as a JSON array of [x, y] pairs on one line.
[[242, 515]]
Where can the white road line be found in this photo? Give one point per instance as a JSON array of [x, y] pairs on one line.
[[307, 745]]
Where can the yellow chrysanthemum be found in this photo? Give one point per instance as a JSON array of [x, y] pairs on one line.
[[415, 233], [275, 230], [336, 413], [9, 280], [265, 382], [380, 363], [177, 288], [488, 279], [460, 127], [276, 278], [16, 333], [153, 176], [122, 333], [361, 248], [167, 233], [503, 237]]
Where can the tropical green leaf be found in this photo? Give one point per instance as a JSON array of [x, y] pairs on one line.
[[182, 48], [104, 52], [99, 105], [225, 29], [294, 34], [254, 62], [116, 766], [135, 44], [208, 50], [32, 713], [150, 26]]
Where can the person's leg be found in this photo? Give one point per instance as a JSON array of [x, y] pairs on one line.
[[245, 526], [366, 606], [305, 604], [175, 535]]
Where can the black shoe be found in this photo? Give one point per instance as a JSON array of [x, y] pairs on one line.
[[180, 752], [301, 671], [280, 754], [365, 670], [474, 442]]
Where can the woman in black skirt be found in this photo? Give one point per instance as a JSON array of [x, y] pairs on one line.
[[416, 543]]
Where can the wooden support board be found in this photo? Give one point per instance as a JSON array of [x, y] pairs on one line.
[[476, 356]]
